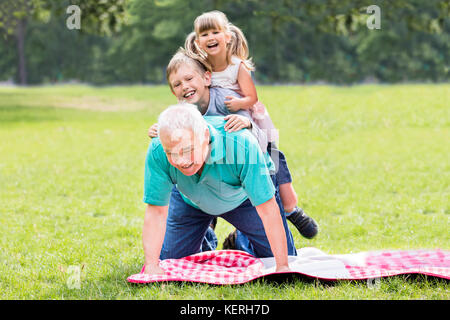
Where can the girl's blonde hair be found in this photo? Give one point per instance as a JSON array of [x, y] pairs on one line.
[[238, 45]]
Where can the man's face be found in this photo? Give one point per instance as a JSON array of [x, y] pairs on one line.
[[189, 85], [184, 151]]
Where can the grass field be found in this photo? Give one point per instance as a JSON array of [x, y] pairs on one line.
[[370, 163]]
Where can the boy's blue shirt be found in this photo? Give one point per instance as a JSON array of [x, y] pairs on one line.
[[235, 170]]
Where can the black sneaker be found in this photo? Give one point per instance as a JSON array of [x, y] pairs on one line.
[[304, 224], [230, 242]]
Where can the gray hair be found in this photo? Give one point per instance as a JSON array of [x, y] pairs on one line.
[[180, 117]]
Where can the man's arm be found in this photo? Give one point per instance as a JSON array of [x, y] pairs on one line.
[[153, 237], [269, 212]]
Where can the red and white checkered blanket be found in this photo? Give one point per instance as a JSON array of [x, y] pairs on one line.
[[236, 267]]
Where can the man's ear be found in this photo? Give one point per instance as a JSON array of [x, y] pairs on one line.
[[207, 77]]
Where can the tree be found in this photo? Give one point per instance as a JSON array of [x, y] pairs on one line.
[[293, 41], [103, 17], [14, 16]]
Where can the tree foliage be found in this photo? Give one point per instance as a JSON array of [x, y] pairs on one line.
[[291, 41]]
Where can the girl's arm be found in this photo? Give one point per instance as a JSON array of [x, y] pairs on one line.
[[248, 91]]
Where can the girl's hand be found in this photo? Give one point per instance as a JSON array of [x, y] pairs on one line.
[[233, 104], [153, 131], [236, 122]]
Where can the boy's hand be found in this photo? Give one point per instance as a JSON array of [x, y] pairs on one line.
[[153, 131], [233, 103], [236, 122]]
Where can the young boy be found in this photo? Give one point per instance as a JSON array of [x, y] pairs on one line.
[[190, 81]]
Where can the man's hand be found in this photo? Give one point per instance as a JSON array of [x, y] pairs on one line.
[[236, 122], [153, 269], [153, 131]]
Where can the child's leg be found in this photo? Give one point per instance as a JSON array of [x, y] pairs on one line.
[[287, 193], [288, 196]]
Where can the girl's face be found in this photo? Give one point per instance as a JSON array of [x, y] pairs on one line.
[[213, 41]]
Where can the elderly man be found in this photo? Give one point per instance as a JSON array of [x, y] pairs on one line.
[[217, 173]]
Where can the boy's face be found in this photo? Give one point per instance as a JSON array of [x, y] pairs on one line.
[[189, 85]]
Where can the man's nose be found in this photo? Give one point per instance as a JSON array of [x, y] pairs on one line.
[[183, 161]]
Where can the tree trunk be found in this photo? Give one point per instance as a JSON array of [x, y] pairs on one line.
[[21, 28]]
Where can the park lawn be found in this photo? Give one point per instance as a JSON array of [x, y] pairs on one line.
[[370, 163]]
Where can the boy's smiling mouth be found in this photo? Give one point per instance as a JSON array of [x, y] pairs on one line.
[[189, 94]]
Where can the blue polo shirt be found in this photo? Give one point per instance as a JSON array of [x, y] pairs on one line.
[[235, 170]]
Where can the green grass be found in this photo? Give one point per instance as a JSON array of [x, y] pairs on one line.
[[370, 164]]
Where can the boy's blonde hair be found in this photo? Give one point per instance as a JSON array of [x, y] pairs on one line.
[[238, 45], [182, 57]]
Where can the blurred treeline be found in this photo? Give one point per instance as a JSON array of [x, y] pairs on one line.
[[291, 41]]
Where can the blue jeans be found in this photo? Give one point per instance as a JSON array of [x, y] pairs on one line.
[[188, 231], [283, 174]]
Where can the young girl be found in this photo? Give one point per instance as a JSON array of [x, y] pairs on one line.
[[223, 48]]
